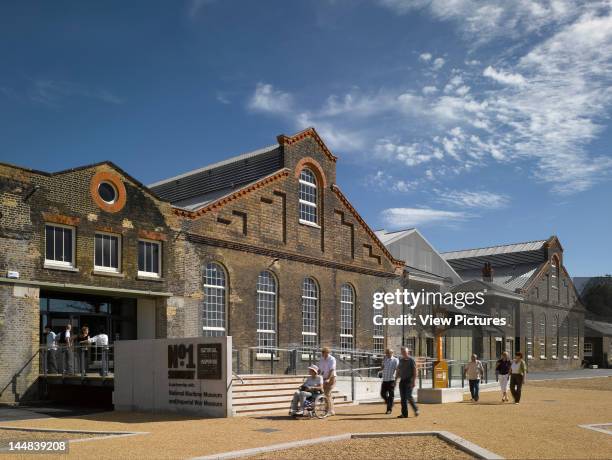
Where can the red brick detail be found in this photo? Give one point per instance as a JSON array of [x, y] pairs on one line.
[[150, 235], [60, 219], [281, 174], [308, 132], [366, 227], [311, 163], [108, 229], [115, 179]]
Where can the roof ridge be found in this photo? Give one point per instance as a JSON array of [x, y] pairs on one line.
[[496, 246]]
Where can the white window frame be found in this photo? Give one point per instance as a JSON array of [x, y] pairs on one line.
[[51, 263], [99, 268], [344, 335], [305, 299], [153, 275], [542, 341], [223, 288], [261, 349], [312, 204], [554, 272], [529, 335], [555, 336]]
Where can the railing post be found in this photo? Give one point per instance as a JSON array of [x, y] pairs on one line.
[[271, 362], [462, 376], [352, 385], [251, 361], [420, 371], [83, 351], [294, 356], [44, 362], [486, 372]]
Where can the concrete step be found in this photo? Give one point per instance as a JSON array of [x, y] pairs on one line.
[[256, 392], [274, 407], [284, 400], [251, 380]]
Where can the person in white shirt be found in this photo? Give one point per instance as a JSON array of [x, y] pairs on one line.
[[101, 340], [312, 384], [51, 359], [327, 369]]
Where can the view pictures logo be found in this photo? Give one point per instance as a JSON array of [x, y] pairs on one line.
[[411, 299]]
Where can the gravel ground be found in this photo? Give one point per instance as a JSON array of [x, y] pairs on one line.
[[546, 423], [387, 448], [599, 384], [14, 435]]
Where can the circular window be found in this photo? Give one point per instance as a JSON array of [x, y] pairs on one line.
[[107, 192]]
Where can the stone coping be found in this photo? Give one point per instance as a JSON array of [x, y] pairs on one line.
[[451, 438]]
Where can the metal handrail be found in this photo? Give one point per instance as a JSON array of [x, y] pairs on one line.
[[16, 374]]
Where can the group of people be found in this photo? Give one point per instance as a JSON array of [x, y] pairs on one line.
[[321, 378], [404, 370], [513, 372], [61, 347]]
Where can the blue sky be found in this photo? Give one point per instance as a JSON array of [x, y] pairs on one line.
[[480, 122]]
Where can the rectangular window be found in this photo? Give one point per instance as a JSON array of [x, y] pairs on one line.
[[59, 246], [149, 258], [107, 253], [588, 349]]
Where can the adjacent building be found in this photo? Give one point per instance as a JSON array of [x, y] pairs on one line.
[[548, 319]]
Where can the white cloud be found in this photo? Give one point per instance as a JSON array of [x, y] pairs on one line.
[[408, 154], [505, 78], [267, 99], [438, 63], [413, 217], [425, 57], [469, 199], [427, 90], [388, 183]]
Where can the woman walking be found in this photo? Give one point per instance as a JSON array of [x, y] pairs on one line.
[[502, 369], [518, 376]]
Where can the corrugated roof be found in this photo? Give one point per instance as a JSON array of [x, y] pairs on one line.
[[199, 185], [388, 237], [509, 277], [495, 250], [600, 327]]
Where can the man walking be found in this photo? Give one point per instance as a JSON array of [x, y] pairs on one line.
[[474, 372], [387, 388], [327, 368], [65, 342], [51, 362], [406, 372]]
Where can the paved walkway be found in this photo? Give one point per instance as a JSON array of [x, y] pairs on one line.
[[544, 425]]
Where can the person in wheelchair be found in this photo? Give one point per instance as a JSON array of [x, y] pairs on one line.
[[311, 387]]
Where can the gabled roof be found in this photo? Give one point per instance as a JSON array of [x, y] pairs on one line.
[[308, 132], [422, 259], [490, 287]]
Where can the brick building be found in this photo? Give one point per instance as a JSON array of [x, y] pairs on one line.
[[264, 247], [548, 321]]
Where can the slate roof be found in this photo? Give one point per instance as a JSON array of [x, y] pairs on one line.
[[513, 264], [198, 187]]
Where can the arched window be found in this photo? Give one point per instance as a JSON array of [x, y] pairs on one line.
[[378, 332], [215, 307], [555, 336], [266, 312], [347, 317], [308, 197], [310, 313], [575, 338], [566, 334], [542, 336], [529, 335]]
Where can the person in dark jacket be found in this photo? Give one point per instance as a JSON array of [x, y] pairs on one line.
[[502, 371], [406, 373]]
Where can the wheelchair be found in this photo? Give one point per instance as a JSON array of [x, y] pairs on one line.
[[315, 406]]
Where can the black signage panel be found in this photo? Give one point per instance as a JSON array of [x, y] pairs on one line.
[[209, 361]]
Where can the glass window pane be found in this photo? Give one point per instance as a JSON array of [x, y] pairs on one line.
[[155, 257], [59, 244], [114, 252], [98, 251]]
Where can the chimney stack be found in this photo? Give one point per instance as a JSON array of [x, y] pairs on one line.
[[487, 272]]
